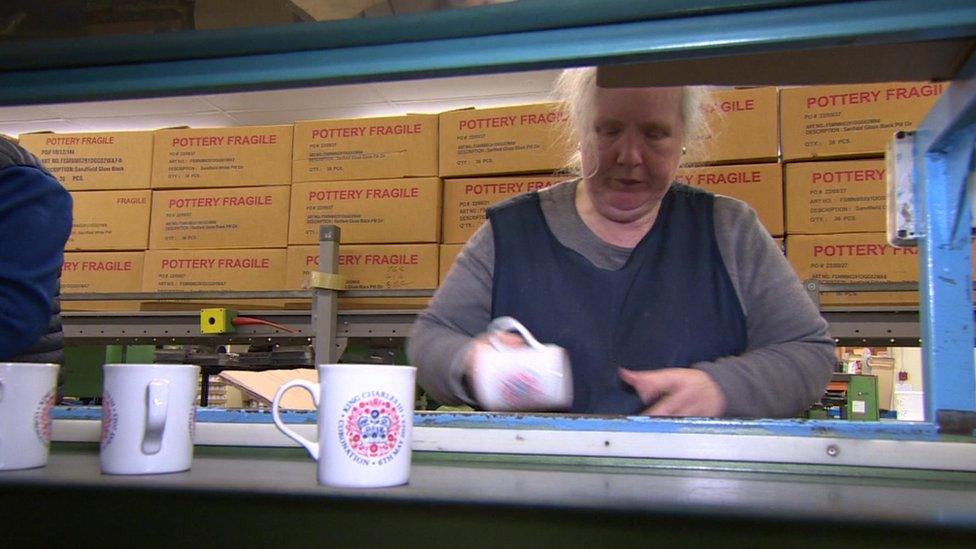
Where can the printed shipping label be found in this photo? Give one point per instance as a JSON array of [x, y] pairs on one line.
[[740, 125], [96, 272], [371, 267], [466, 200], [214, 270], [366, 148], [110, 220], [250, 217], [95, 161], [850, 120], [375, 211], [759, 185], [836, 197], [520, 139], [222, 157]]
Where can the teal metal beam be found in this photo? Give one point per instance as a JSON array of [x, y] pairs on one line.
[[495, 19], [755, 28]]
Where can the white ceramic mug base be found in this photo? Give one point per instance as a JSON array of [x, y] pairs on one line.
[[27, 393], [148, 418]]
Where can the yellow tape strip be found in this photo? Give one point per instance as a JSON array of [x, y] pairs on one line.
[[327, 281]]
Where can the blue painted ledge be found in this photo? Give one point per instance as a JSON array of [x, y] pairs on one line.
[[554, 422]]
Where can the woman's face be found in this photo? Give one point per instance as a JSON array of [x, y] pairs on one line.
[[631, 149]]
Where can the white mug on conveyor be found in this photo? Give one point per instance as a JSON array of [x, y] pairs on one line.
[[26, 397], [148, 418], [365, 423], [533, 378]]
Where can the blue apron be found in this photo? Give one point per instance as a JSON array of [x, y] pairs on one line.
[[672, 304]]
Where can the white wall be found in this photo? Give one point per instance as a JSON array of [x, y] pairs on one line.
[[909, 359]]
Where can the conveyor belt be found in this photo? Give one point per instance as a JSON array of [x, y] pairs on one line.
[[269, 496]]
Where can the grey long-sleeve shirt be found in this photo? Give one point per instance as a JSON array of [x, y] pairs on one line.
[[784, 369]]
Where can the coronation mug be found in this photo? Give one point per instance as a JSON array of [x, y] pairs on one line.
[[365, 423], [148, 418], [536, 377], [27, 393]]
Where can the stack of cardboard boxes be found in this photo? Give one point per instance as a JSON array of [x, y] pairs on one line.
[[220, 209], [833, 142], [236, 209], [376, 179], [489, 155]]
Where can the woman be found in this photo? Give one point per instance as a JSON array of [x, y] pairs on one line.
[[670, 300], [35, 222]]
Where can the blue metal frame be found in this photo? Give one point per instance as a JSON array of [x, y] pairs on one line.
[[666, 33], [943, 161], [552, 422], [663, 32]]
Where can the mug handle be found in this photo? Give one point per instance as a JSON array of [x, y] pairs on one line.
[[313, 389], [506, 324], [157, 402]]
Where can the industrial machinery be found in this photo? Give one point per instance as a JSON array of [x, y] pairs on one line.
[[854, 396]]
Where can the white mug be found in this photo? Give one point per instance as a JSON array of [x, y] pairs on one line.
[[27, 393], [365, 423], [148, 418], [533, 378]]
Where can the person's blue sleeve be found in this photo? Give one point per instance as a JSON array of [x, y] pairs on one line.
[[35, 222]]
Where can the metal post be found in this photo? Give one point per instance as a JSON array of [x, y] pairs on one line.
[[205, 372], [943, 160], [324, 302]]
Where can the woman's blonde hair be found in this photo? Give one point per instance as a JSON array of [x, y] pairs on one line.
[[575, 90]]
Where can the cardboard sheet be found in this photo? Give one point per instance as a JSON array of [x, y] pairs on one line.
[[264, 385]]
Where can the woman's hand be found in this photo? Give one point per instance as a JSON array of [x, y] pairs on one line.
[[482, 345], [676, 392]]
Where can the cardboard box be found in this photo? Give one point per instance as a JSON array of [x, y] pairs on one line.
[[375, 212], [366, 148], [110, 220], [465, 200], [449, 253], [240, 305], [102, 306], [247, 217], [222, 157], [214, 270], [850, 120], [759, 185], [368, 303], [521, 139], [95, 161], [855, 258], [101, 272], [235, 14], [371, 267], [740, 125], [836, 197]]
